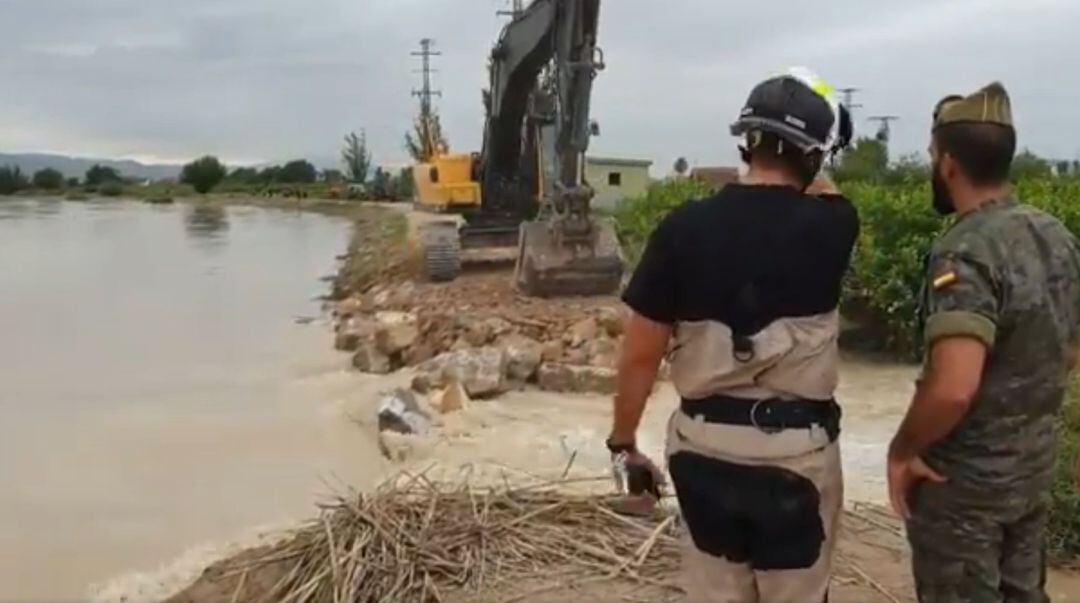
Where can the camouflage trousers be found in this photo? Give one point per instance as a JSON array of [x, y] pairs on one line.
[[974, 548]]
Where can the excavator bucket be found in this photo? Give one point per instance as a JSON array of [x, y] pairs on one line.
[[548, 267]]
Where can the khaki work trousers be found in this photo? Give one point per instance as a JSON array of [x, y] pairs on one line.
[[762, 511]]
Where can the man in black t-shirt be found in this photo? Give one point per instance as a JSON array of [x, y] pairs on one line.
[[746, 286]]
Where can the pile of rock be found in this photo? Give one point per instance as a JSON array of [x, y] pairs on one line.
[[558, 346]]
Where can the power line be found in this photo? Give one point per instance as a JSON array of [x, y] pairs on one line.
[[425, 93], [849, 100]]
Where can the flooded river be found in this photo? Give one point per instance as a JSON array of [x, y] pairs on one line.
[[157, 389]]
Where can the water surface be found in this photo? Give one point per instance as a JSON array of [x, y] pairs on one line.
[[157, 387]]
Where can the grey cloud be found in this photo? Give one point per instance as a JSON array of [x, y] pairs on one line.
[[273, 79]]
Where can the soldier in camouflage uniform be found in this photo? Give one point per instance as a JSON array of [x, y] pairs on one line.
[[972, 463]]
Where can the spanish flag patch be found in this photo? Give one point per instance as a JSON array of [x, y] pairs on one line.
[[944, 280]]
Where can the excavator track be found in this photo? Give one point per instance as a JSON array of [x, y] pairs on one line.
[[440, 251]]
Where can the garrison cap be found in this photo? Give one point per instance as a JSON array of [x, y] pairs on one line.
[[990, 105]]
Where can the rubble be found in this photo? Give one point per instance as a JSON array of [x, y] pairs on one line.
[[369, 359], [478, 329], [400, 412], [559, 377], [479, 370], [452, 399], [523, 356]]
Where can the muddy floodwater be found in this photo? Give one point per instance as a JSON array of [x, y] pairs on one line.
[[157, 387], [164, 389]]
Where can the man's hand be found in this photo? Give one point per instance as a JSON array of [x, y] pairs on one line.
[[636, 474], [904, 475]]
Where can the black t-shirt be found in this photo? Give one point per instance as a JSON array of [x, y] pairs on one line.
[[746, 257]]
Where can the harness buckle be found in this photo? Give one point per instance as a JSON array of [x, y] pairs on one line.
[[754, 420]]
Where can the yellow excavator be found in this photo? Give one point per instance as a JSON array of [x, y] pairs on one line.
[[526, 191]]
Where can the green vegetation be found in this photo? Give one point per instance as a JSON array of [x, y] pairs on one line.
[[636, 218], [356, 157], [203, 174], [12, 180], [111, 189], [100, 174], [48, 179], [299, 171], [1064, 529]]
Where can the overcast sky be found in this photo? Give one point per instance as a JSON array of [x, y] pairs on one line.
[[267, 80]]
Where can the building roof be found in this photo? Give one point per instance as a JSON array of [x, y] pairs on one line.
[[619, 161], [715, 175]]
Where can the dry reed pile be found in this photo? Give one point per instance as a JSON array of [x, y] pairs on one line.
[[415, 540]]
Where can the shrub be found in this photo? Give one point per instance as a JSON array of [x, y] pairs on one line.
[[1063, 533], [203, 174], [100, 174], [48, 179], [12, 180], [111, 189], [636, 218]]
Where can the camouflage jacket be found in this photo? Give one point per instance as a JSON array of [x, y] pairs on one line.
[[1009, 275]]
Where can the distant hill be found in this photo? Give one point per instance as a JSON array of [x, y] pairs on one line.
[[75, 167]]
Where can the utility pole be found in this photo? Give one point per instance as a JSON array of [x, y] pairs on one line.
[[849, 100], [518, 7], [884, 131], [425, 93]]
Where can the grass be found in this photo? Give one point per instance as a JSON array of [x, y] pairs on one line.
[[1063, 534]]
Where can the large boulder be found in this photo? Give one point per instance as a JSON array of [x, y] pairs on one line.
[[553, 350], [352, 332], [349, 307], [394, 338], [610, 321], [523, 356], [479, 370], [418, 353], [479, 333], [558, 377], [583, 331], [400, 412], [369, 359], [602, 352]]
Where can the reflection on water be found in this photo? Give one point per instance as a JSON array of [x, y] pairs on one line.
[[206, 221], [156, 392]]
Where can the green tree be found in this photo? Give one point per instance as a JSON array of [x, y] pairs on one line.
[[404, 186], [381, 185], [681, 166], [48, 179], [12, 180], [1027, 165], [426, 139], [333, 176], [203, 174], [299, 171], [243, 175], [867, 161], [72, 182], [356, 157], [910, 169], [100, 174]]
